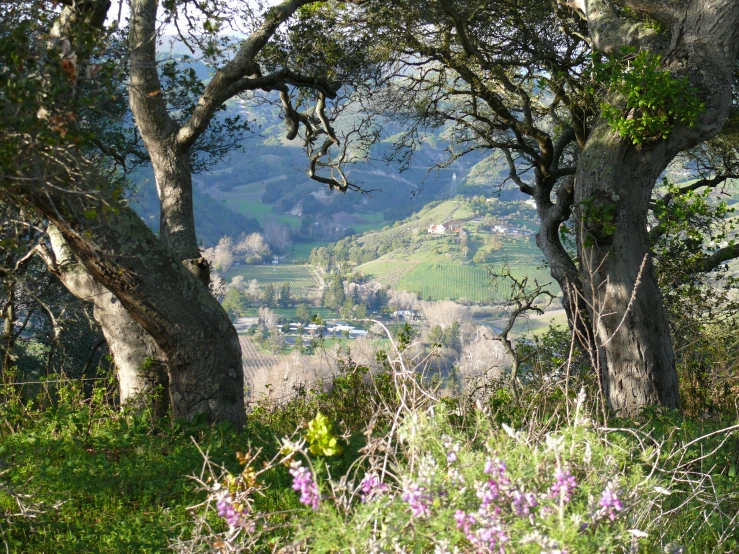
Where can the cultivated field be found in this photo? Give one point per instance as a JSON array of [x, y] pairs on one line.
[[302, 278], [253, 358], [453, 282]]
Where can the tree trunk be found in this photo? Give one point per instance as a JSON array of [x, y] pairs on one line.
[[170, 160], [614, 182], [139, 361], [561, 267], [637, 363], [140, 364], [188, 324]]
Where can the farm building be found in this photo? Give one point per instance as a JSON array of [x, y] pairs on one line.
[[437, 229], [413, 315]]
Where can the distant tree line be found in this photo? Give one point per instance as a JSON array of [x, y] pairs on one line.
[[239, 297]]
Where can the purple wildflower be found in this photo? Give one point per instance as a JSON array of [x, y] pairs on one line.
[[488, 493], [303, 482], [418, 499], [523, 504], [496, 469], [451, 449], [483, 530], [488, 538], [610, 503], [235, 514], [371, 485], [464, 521], [564, 485], [546, 510]]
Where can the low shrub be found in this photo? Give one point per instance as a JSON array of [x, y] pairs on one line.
[[432, 485]]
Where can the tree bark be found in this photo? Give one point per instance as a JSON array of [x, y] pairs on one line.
[[171, 163], [140, 364], [199, 342], [635, 355], [8, 316], [561, 267], [615, 179]]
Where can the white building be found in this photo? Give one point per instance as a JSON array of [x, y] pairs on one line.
[[437, 229]]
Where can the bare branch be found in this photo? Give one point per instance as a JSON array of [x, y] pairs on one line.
[[722, 255], [710, 183], [523, 298]]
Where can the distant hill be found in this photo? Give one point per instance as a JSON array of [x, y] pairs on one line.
[[454, 265], [213, 219], [267, 181]]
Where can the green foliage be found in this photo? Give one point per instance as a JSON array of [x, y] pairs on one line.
[[351, 397], [321, 439], [599, 219], [285, 298], [106, 481], [474, 485], [334, 295], [302, 313], [234, 302], [123, 477], [268, 295], [446, 337], [654, 100]]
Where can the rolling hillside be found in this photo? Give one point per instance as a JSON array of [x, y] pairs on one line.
[[454, 265]]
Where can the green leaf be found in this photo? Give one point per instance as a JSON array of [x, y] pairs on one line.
[[321, 439]]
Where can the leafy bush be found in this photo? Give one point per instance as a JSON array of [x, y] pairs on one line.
[[654, 100]]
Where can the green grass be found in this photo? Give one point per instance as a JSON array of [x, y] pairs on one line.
[[123, 487], [300, 277], [261, 212], [374, 221], [383, 266], [454, 282], [114, 483], [302, 250]]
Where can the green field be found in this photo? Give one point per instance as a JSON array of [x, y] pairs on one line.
[[374, 222], [300, 277], [383, 267], [518, 251], [454, 282], [302, 250], [261, 212]]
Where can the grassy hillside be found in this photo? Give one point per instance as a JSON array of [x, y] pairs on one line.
[[451, 266], [432, 214], [462, 282]]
